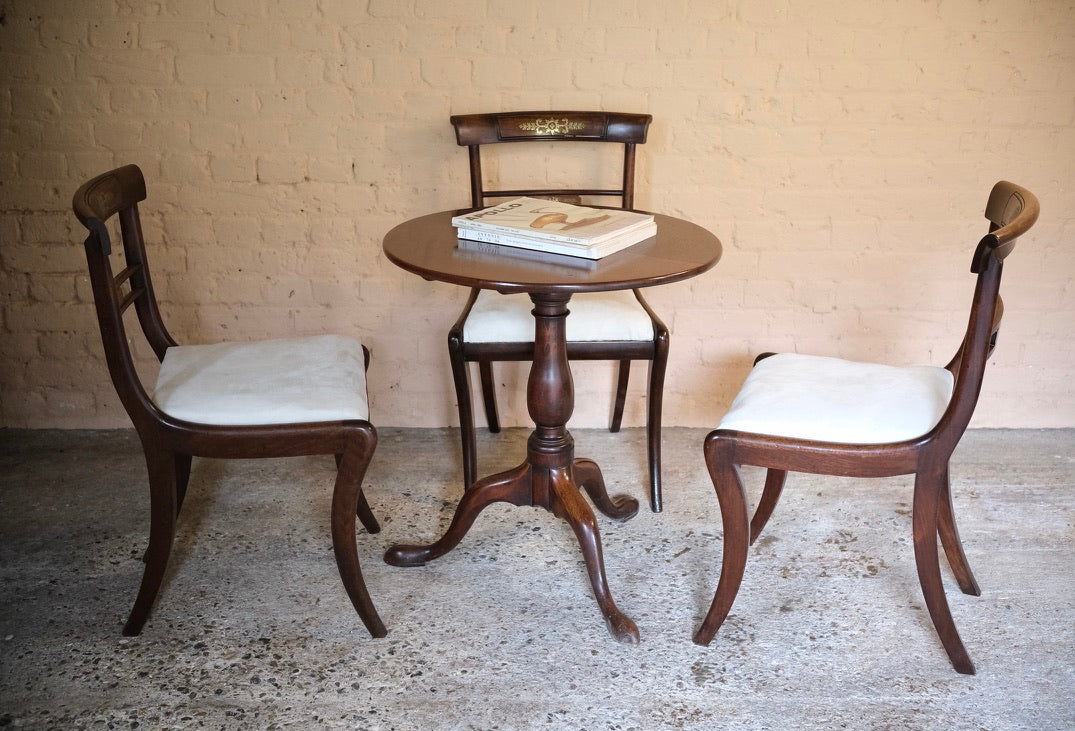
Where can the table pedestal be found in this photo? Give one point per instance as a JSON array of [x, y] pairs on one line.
[[551, 476]]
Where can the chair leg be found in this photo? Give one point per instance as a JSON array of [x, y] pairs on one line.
[[346, 503], [733, 512], [774, 484], [182, 479], [929, 487], [953, 546], [461, 378], [654, 410], [163, 470], [622, 378], [366, 516], [363, 510], [485, 371]]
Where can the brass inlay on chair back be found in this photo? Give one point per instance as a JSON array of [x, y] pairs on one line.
[[552, 126]]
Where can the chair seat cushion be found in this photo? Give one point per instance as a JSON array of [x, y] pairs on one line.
[[833, 400], [287, 381], [499, 318]]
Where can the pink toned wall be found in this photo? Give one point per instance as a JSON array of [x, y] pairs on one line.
[[841, 150]]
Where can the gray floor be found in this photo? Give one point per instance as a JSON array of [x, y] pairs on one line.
[[252, 629]]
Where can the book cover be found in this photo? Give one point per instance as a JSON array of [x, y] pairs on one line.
[[553, 221]]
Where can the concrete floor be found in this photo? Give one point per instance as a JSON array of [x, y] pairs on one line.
[[253, 630]]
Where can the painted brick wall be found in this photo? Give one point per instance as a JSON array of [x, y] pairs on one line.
[[842, 151]]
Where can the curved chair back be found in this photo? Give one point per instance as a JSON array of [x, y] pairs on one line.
[[1011, 211], [118, 193], [475, 130]]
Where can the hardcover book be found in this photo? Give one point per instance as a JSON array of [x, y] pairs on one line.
[[563, 262], [591, 251], [552, 221]]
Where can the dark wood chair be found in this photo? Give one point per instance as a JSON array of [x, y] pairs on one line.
[[829, 416], [618, 326], [275, 398]]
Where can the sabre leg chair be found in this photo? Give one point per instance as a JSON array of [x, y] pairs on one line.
[[821, 415], [274, 398], [617, 326]]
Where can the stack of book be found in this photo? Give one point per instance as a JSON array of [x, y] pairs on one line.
[[556, 228]]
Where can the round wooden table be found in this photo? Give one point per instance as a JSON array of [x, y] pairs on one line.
[[550, 476]]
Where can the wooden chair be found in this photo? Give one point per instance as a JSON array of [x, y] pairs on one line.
[[828, 416], [603, 326], [275, 398]]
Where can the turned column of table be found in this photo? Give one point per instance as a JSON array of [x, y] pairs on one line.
[[551, 476]]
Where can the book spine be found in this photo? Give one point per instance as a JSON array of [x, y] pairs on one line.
[[518, 253], [464, 224], [524, 242], [515, 238], [489, 228]]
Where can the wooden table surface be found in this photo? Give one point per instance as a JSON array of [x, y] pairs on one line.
[[428, 246]]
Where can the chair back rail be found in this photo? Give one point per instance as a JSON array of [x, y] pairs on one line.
[[474, 130], [117, 193], [1011, 211]]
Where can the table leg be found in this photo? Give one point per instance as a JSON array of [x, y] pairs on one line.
[[512, 486], [587, 475], [551, 476], [566, 503]]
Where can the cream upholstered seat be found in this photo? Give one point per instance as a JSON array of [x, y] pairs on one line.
[[284, 381], [833, 400], [595, 317]]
